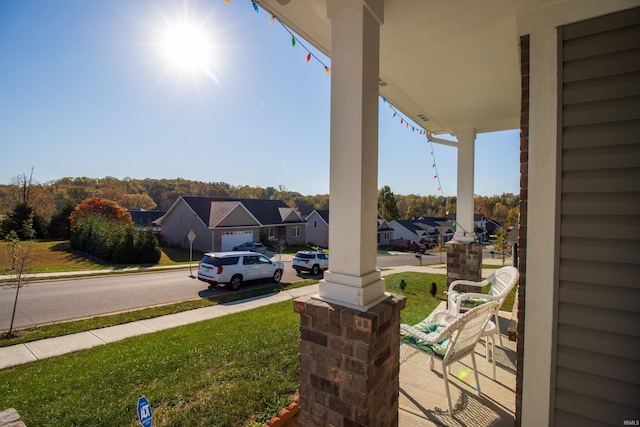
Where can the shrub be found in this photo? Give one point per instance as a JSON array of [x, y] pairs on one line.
[[113, 242]]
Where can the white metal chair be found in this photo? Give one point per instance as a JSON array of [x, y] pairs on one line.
[[500, 284], [449, 337]]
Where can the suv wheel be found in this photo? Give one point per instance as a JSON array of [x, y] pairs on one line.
[[235, 283], [277, 276], [315, 270]]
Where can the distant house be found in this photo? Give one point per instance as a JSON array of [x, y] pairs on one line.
[[434, 230], [318, 228], [385, 232], [219, 224], [144, 220]]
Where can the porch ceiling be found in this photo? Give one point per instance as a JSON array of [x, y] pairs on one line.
[[455, 63]]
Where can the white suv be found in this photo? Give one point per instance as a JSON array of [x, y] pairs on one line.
[[311, 261], [233, 268]]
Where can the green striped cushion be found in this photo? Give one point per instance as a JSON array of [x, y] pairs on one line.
[[427, 326], [468, 302]]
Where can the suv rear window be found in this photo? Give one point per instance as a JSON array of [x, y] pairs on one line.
[[217, 262], [305, 256]]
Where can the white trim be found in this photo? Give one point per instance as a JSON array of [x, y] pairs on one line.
[[537, 397]]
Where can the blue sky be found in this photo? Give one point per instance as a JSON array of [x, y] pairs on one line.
[[86, 90]]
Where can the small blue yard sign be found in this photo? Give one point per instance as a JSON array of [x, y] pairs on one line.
[[144, 412]]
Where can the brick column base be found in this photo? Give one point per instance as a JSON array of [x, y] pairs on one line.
[[349, 363], [464, 261]]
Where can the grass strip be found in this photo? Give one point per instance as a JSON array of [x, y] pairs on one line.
[[65, 328]]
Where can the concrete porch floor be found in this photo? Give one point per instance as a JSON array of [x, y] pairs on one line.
[[423, 402]]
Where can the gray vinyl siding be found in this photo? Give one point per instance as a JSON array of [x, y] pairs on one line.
[[597, 377]]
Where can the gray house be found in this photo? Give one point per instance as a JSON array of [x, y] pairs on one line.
[[219, 224], [318, 228], [434, 230]]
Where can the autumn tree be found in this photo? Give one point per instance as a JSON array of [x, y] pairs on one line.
[[28, 203], [108, 209]]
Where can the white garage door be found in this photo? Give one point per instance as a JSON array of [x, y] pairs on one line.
[[235, 238]]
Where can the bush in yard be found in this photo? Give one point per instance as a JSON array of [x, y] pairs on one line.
[[112, 242], [149, 249], [59, 226]]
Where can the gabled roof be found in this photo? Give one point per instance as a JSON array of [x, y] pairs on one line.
[[289, 215], [144, 218], [212, 210], [383, 225], [422, 225], [220, 211], [493, 226], [323, 213]]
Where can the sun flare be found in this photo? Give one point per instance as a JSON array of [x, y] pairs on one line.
[[187, 47]]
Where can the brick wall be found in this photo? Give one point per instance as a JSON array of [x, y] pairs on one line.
[[349, 363], [522, 236], [464, 262]]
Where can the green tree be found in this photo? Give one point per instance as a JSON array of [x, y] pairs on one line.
[[387, 207], [59, 226], [500, 243]]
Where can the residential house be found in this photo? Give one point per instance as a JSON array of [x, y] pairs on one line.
[[219, 224], [566, 74], [318, 228], [434, 230], [144, 220], [482, 227], [385, 232]]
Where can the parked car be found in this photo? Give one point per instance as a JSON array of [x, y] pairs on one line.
[[234, 268], [311, 261], [251, 246]]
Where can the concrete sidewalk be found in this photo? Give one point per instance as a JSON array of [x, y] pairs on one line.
[[36, 350]]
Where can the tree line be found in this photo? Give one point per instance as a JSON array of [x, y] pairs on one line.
[[51, 203]]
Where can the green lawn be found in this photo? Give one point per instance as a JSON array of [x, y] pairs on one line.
[[54, 256], [228, 371], [237, 370]]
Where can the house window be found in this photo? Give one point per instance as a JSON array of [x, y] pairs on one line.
[[315, 224], [296, 231]]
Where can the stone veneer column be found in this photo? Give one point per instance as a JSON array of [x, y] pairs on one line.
[[349, 363], [464, 261]]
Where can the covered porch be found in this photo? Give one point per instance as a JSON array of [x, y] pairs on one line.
[[423, 403], [464, 68]]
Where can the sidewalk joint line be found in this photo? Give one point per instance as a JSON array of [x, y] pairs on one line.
[[31, 351]]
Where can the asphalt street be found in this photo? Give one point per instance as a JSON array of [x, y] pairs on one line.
[[48, 301]]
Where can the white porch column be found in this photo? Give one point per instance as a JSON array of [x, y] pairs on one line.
[[464, 205], [353, 280]]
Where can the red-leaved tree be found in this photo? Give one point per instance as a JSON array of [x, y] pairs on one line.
[[109, 209]]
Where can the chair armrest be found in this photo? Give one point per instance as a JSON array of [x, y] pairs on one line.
[[444, 317], [467, 283], [487, 297], [431, 338]]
